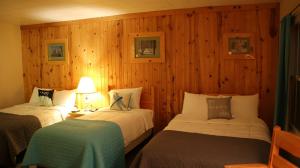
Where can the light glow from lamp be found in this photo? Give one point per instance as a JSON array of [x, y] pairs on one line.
[[65, 12], [86, 85]]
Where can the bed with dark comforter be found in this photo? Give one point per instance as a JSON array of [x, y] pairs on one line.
[[15, 134], [176, 149], [189, 142]]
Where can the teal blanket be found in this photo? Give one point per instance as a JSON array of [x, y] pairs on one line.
[[77, 143]]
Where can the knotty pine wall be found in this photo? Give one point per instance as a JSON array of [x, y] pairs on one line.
[[194, 60]]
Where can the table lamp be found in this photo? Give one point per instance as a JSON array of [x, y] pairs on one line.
[[87, 89]]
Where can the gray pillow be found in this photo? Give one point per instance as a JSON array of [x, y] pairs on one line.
[[219, 108]]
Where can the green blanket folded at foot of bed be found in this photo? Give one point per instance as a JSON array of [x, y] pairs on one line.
[[77, 143]]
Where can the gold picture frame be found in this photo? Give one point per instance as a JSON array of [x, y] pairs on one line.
[[56, 51], [147, 47], [238, 46]]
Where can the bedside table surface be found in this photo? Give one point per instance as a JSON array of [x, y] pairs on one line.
[[81, 112], [78, 114]]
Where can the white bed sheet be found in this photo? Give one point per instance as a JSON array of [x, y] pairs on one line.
[[133, 123], [46, 115], [253, 129]]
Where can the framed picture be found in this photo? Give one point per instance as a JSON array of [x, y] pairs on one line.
[[147, 47], [56, 51], [238, 46]]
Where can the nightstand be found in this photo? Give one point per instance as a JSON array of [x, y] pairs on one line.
[[77, 114]]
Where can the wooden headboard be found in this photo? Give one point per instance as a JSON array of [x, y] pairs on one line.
[[147, 97]]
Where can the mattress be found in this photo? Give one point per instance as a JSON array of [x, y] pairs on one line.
[[46, 115], [133, 123]]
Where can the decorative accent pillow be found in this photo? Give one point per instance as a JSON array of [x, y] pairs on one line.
[[121, 102], [135, 96], [34, 99], [46, 97], [219, 108], [195, 105]]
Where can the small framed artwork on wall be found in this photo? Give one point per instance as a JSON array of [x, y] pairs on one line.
[[238, 46], [56, 51], [147, 47]]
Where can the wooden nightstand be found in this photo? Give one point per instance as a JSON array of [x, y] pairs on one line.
[[77, 114]]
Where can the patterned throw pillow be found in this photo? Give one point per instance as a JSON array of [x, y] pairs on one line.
[[219, 108], [121, 102], [46, 97]]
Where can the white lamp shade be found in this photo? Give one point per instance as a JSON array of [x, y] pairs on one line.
[[86, 85]]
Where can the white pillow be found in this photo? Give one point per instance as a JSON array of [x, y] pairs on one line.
[[135, 96], [65, 98], [245, 107], [34, 99], [196, 105]]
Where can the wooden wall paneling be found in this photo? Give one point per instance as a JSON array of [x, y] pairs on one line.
[[153, 24], [109, 53], [54, 75], [119, 49], [101, 65], [194, 76], [84, 51], [208, 52], [125, 57], [104, 61], [135, 25], [245, 77], [151, 72], [149, 24], [140, 68], [31, 60], [194, 55], [227, 73], [127, 70], [184, 56], [162, 26], [109, 62], [117, 64], [245, 69], [171, 36], [269, 60], [75, 52], [180, 57]]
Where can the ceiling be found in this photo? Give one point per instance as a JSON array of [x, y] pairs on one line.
[[24, 12]]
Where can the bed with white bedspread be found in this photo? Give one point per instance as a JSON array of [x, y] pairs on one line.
[[46, 115], [133, 123]]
